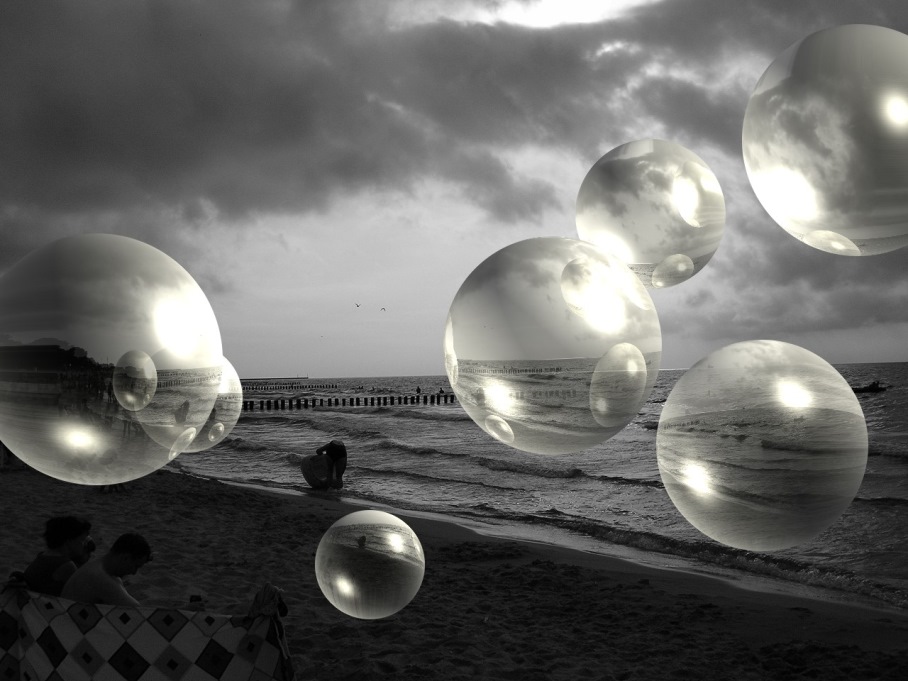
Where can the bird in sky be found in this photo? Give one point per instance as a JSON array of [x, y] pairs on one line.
[[383, 309], [357, 304]]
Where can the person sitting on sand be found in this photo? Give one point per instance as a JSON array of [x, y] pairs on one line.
[[337, 462], [101, 580], [69, 545]]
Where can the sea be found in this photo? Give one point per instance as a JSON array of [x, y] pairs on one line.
[[433, 460]]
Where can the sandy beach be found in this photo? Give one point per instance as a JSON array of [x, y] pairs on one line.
[[488, 608]]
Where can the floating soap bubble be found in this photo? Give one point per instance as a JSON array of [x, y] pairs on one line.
[[68, 311], [184, 399], [135, 380], [369, 564], [673, 270], [824, 140], [181, 443], [656, 206], [618, 385], [224, 414], [552, 345], [762, 445]]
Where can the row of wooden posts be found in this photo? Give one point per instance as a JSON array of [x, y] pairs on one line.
[[373, 401], [256, 387]]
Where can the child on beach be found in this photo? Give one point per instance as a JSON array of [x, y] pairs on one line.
[[101, 580]]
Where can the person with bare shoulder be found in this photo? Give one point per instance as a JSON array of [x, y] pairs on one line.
[[69, 545], [101, 580]]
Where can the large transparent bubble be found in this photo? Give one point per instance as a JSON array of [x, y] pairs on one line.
[[70, 314], [656, 206], [824, 140], [369, 564], [552, 345], [224, 414], [762, 445]]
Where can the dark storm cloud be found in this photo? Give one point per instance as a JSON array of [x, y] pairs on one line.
[[270, 107], [113, 113]]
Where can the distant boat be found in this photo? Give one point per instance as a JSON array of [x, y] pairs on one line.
[[874, 387]]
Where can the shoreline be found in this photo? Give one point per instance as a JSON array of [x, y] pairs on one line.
[[488, 607], [581, 549]]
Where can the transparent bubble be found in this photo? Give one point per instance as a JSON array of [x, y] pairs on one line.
[[183, 400], [673, 270], [538, 331], [224, 414], [824, 136], [369, 564], [649, 201], [181, 443], [498, 428], [216, 433], [135, 380], [618, 386], [762, 445], [68, 312]]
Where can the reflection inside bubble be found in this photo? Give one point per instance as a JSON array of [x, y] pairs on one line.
[[673, 270], [135, 380], [76, 361], [530, 329], [822, 136], [225, 412], [369, 564], [650, 199], [761, 445]]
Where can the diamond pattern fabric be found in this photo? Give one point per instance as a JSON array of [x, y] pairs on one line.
[[44, 638]]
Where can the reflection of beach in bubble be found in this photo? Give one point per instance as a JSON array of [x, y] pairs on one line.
[[369, 564], [222, 418], [135, 380], [80, 450], [90, 298], [545, 309], [553, 409], [190, 391], [618, 385], [761, 458]]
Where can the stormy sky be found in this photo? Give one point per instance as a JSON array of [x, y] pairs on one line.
[[298, 158]]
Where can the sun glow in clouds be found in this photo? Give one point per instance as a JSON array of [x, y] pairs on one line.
[[793, 394]]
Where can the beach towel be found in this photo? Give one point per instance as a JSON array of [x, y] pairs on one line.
[[45, 638]]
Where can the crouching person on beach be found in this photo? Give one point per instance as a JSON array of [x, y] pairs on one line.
[[336, 452], [101, 580]]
